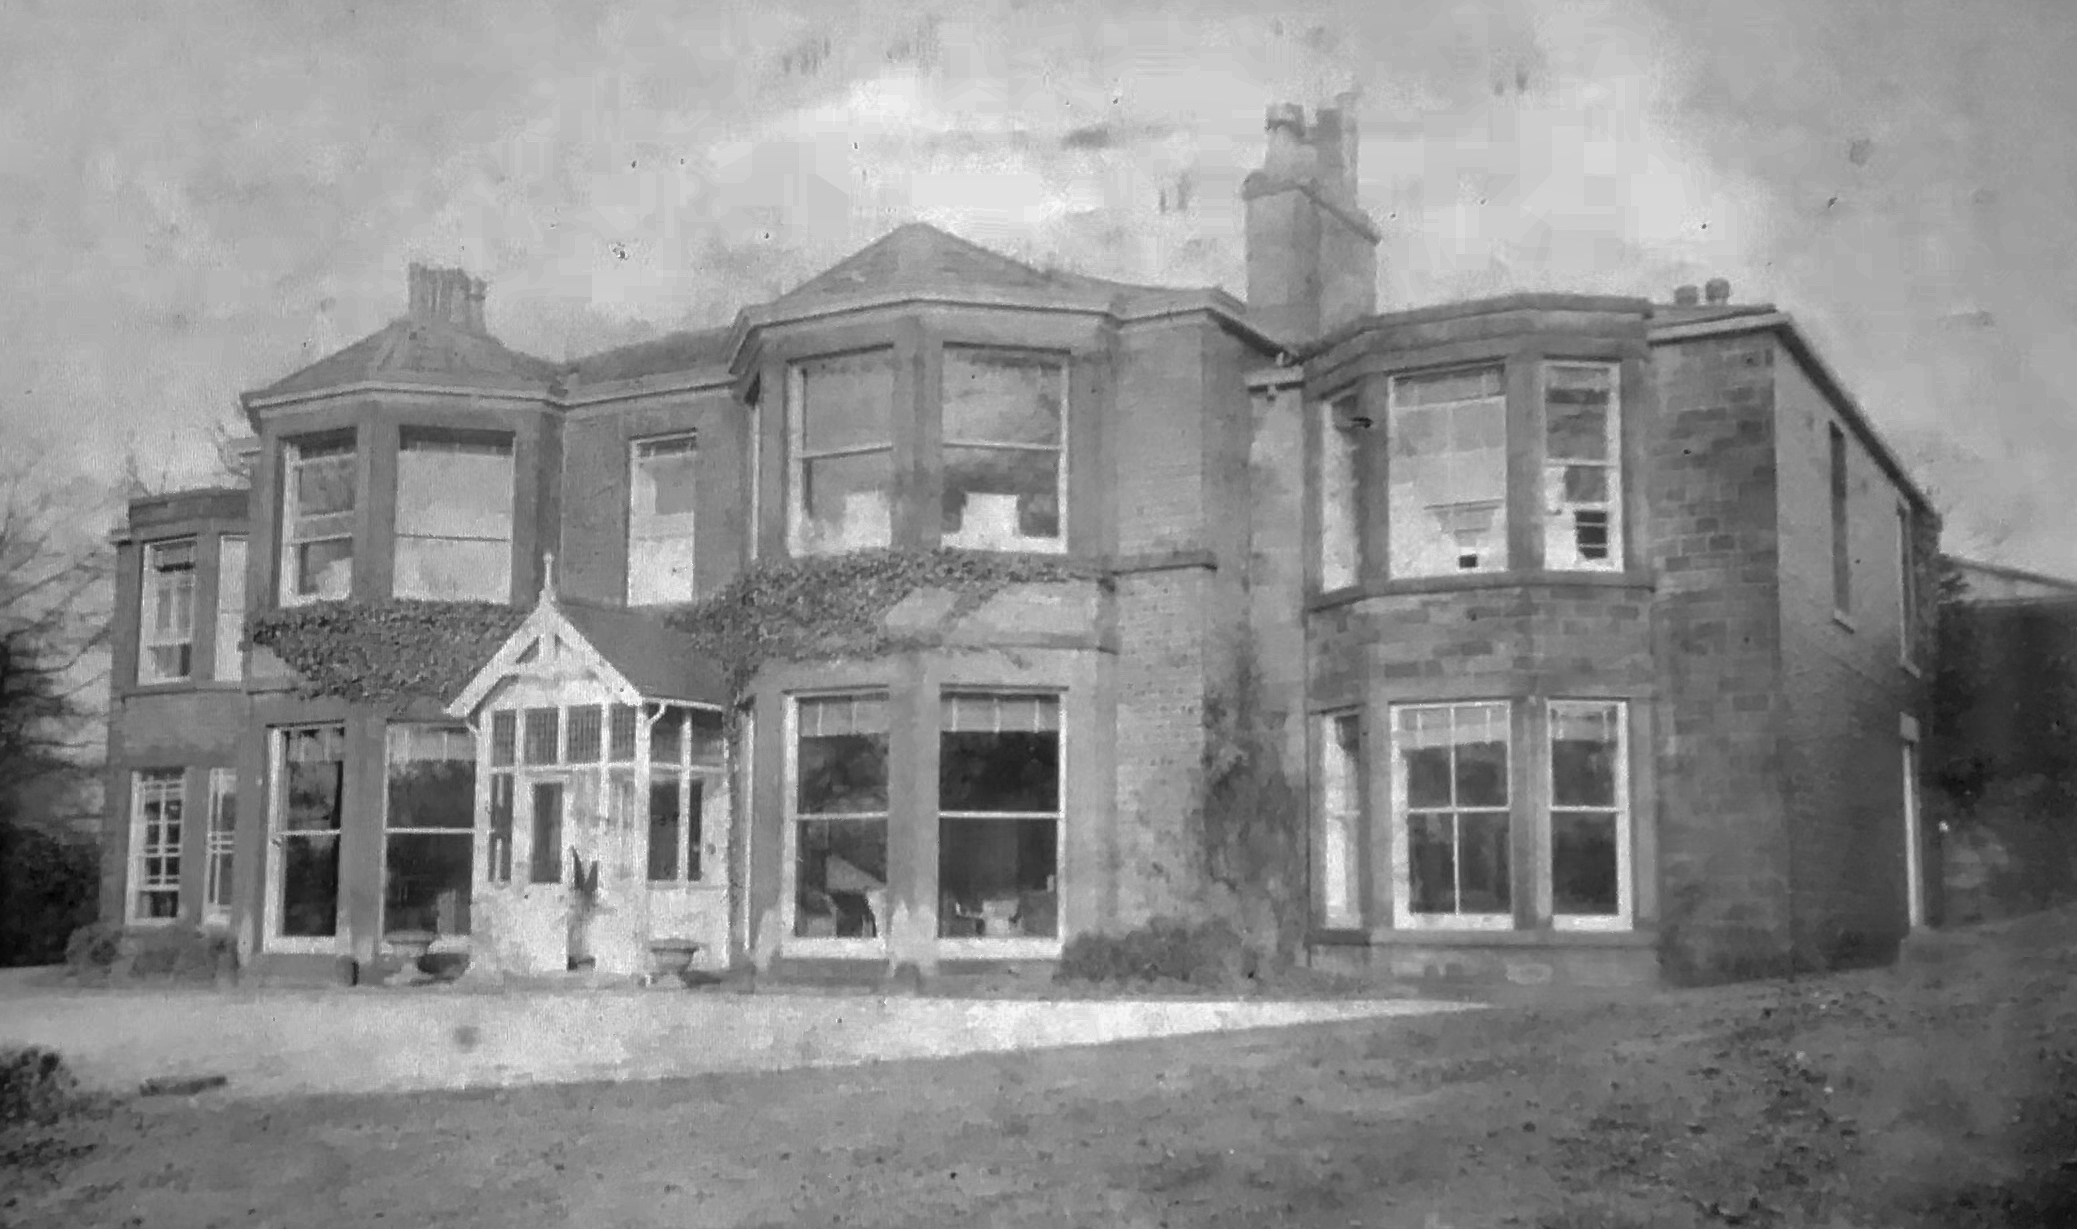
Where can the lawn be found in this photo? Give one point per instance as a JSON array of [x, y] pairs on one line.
[[1929, 1095]]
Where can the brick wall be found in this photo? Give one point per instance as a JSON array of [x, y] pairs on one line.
[[1716, 636], [1845, 686]]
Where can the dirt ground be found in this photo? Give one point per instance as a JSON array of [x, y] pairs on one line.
[[1940, 1094]]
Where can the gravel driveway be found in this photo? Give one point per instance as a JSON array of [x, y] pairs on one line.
[[395, 1040]]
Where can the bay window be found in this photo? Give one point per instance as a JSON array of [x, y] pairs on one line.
[[318, 499], [999, 816], [158, 797], [837, 816], [840, 414], [1339, 806], [1452, 815], [1447, 473], [454, 515], [429, 829], [1005, 472], [166, 641], [660, 519], [1582, 474]]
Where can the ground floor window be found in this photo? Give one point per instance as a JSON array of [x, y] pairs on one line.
[[999, 787], [1338, 800], [223, 837], [837, 810], [429, 829], [1589, 814], [312, 776], [1451, 811], [685, 745], [157, 802]]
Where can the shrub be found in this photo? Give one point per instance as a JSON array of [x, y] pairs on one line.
[[94, 948], [1207, 954], [47, 888], [35, 1086]]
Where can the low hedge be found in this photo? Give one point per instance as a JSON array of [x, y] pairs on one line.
[[1205, 954], [104, 950]]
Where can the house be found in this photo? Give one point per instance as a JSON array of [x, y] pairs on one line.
[[1549, 637]]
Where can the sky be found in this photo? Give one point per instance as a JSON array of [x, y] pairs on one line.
[[198, 199]]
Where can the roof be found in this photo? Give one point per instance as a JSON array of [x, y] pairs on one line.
[[661, 663], [1667, 315], [432, 353], [920, 257], [2017, 577], [673, 352]]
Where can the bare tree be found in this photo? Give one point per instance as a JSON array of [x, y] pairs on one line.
[[54, 601]]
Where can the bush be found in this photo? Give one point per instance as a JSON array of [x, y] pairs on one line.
[[94, 948], [47, 889], [35, 1086], [180, 953], [1205, 954]]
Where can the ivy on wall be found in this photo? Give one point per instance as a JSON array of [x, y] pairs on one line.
[[385, 652], [836, 607], [393, 652]]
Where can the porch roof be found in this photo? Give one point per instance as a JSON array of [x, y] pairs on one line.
[[633, 652]]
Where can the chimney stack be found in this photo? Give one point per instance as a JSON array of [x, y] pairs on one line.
[[1686, 296], [1311, 250], [1717, 291], [447, 296]]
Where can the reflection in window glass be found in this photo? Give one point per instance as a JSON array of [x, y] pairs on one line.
[[1447, 473], [1582, 525], [999, 781], [842, 453], [318, 492], [1453, 804], [661, 517], [167, 642], [1589, 826], [429, 838]]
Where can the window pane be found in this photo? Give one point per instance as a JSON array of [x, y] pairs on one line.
[[1432, 862], [621, 746], [663, 828], [1002, 398], [1583, 863], [1482, 864], [847, 401], [455, 489], [322, 487], [542, 729], [426, 882], [1447, 475], [313, 796], [501, 827], [310, 886], [454, 569], [1576, 402], [667, 737], [587, 732], [994, 496], [1450, 386], [709, 742], [503, 728], [324, 570], [664, 475], [999, 772], [432, 778], [846, 501], [546, 864], [843, 774], [659, 570], [1482, 771], [1584, 745], [1339, 539], [996, 878], [840, 879]]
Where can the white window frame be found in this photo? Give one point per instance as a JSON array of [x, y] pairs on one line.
[[1339, 550], [298, 531], [688, 771], [799, 539], [1403, 915], [397, 732], [680, 527], [1626, 892], [168, 589], [1056, 544], [789, 853], [1017, 946], [160, 839], [279, 834], [222, 846], [229, 664], [1338, 811], [435, 440], [1400, 550], [1561, 547]]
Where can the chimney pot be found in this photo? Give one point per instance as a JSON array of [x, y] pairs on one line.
[[1286, 115], [446, 296], [1686, 296], [1717, 290]]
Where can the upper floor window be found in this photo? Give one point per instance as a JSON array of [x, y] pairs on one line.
[[1004, 460], [1582, 473], [166, 647], [454, 516], [840, 437], [230, 607], [1447, 475], [1339, 536], [661, 487], [317, 519]]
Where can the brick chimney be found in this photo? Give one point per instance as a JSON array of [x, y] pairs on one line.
[[1312, 251], [447, 296]]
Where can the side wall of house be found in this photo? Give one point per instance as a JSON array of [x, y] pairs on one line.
[[1723, 843], [1846, 686]]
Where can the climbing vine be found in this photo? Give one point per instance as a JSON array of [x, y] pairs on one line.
[[385, 652], [824, 609]]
